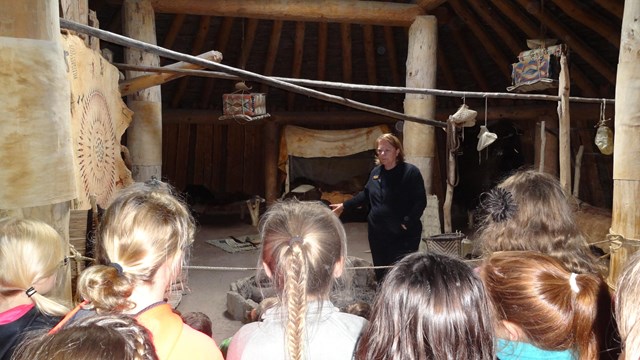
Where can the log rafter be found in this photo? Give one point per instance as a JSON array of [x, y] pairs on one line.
[[347, 74], [272, 52], [351, 12], [222, 40], [469, 57], [198, 45], [391, 54], [174, 29], [597, 24], [370, 57], [298, 53]]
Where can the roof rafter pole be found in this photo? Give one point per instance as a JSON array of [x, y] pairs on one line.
[[144, 135], [125, 41], [429, 5], [532, 32], [174, 29], [370, 57], [322, 50], [587, 19], [339, 11], [345, 31], [377, 88], [222, 39], [419, 139], [298, 53], [198, 45], [272, 52], [495, 53], [574, 42], [613, 6], [469, 58], [391, 54]]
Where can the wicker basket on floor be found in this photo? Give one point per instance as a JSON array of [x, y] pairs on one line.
[[447, 244]]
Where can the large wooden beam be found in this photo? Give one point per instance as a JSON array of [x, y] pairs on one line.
[[298, 52], [196, 48], [590, 20], [136, 84], [575, 44], [340, 11], [429, 5], [222, 40]]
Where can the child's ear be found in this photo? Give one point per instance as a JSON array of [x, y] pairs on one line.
[[266, 269], [513, 331], [338, 268]]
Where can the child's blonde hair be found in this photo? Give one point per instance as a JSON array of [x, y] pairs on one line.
[[303, 242], [144, 227], [627, 305], [31, 251]]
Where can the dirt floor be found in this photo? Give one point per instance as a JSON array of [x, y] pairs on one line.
[[208, 288]]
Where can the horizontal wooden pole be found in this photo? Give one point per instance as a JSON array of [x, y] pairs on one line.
[[136, 84], [373, 88], [514, 113], [338, 11], [248, 75]]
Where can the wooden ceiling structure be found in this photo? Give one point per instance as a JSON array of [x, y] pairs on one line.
[[366, 42]]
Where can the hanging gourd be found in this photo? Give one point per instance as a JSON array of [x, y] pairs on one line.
[[604, 134]]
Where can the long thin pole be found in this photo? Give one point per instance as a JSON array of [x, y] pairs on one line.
[[248, 75]]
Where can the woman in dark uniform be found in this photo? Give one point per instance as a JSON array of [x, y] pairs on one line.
[[396, 196]]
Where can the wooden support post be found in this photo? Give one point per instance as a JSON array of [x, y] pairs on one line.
[[546, 156], [36, 180], [565, 125], [136, 84], [271, 143], [451, 177], [626, 168], [144, 136], [419, 139], [576, 173]]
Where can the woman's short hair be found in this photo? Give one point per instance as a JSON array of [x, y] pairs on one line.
[[31, 251], [627, 304], [302, 243], [530, 211], [145, 226], [555, 308], [395, 142], [423, 311], [101, 337]]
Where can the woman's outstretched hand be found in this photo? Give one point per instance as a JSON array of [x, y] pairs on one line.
[[337, 208]]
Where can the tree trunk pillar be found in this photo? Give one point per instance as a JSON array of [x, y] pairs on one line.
[[625, 220], [144, 136], [419, 139]]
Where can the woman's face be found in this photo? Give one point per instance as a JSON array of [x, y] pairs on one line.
[[387, 154]]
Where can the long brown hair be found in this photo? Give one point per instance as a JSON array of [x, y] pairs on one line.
[[429, 306], [555, 308], [529, 211]]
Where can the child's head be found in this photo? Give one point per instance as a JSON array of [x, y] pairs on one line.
[[429, 306], [103, 337], [628, 307], [529, 211], [536, 300], [32, 255], [303, 251], [145, 229], [198, 321], [359, 308]]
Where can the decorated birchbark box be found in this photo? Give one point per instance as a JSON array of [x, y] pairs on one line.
[[250, 104]]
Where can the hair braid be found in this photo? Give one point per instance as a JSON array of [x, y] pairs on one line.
[[295, 299]]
